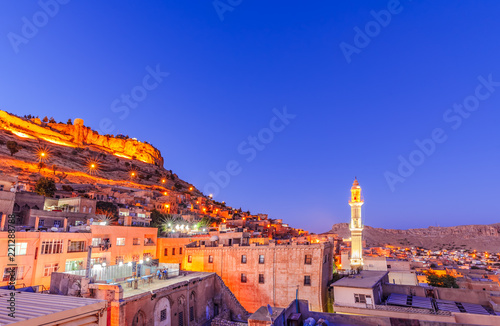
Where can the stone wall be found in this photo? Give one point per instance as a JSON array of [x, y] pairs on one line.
[[78, 135], [275, 280]]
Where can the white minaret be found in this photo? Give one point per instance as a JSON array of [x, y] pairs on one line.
[[356, 226]]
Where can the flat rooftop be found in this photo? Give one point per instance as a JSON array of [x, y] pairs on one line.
[[39, 309], [365, 279], [160, 284]]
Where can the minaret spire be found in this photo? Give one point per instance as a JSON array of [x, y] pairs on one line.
[[356, 225]]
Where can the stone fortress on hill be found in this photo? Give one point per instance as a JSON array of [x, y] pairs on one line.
[[77, 135]]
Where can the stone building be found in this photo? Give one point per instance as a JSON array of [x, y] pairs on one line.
[[39, 254], [261, 275], [193, 299], [7, 194]]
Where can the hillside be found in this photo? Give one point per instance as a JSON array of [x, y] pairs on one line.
[[479, 237], [72, 149]]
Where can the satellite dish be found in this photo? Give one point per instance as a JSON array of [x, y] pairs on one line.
[[269, 310]]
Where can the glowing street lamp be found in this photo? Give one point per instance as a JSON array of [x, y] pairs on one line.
[[141, 261], [190, 188], [163, 180], [129, 264]]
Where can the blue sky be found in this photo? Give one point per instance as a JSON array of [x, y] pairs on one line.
[[354, 115]]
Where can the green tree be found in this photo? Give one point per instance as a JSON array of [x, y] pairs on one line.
[[108, 207], [13, 147], [45, 187], [443, 281]]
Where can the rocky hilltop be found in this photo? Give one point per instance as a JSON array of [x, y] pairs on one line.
[[77, 135], [71, 148], [479, 237]]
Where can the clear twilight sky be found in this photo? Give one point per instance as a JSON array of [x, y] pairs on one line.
[[357, 96]]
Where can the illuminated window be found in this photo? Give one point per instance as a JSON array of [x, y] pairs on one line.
[[21, 248], [136, 242], [190, 259], [261, 259], [120, 241], [243, 259], [210, 259], [96, 242]]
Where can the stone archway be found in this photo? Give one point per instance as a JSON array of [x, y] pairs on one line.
[[139, 319], [162, 312]]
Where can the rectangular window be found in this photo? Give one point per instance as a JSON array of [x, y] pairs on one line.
[[49, 269], [190, 259], [8, 272], [120, 241], [243, 259], [96, 242], [261, 278], [388, 266], [21, 248], [191, 313], [360, 298], [51, 247], [243, 278], [165, 252], [307, 280], [173, 251], [119, 259], [57, 224], [136, 242], [180, 251], [149, 242], [41, 223], [308, 260], [20, 273], [163, 315], [181, 318], [77, 246], [261, 259], [210, 259]]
